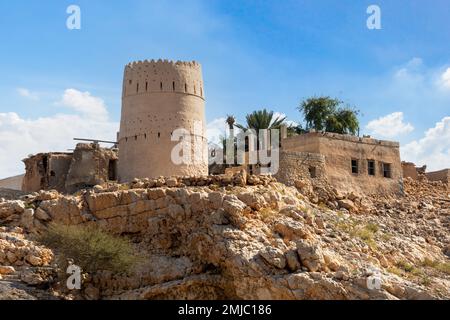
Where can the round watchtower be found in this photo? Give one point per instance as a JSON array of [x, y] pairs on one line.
[[158, 98]]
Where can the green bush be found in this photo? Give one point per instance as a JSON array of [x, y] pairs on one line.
[[90, 248]]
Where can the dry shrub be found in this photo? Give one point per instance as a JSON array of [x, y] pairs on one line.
[[90, 248]]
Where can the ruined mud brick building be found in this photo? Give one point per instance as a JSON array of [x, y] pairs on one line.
[[87, 166], [410, 170], [347, 162], [441, 175], [158, 98]]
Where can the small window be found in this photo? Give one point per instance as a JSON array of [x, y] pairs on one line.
[[387, 170], [130, 81], [312, 172], [135, 137], [137, 87], [146, 86], [159, 134], [355, 166], [371, 167], [201, 91], [173, 85], [52, 173], [185, 87], [160, 86]]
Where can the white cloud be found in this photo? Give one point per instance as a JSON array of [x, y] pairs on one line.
[[389, 126], [283, 115], [215, 130], [433, 149], [23, 92], [20, 137], [85, 103], [444, 79]]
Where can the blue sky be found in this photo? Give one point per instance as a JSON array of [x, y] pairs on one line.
[[254, 54]]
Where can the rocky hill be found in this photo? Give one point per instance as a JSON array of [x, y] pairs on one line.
[[239, 238]]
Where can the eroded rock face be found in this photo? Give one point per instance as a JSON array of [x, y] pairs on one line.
[[261, 241]]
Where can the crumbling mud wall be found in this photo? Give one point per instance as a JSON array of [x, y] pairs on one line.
[[441, 175], [409, 170], [46, 171], [87, 166], [90, 165]]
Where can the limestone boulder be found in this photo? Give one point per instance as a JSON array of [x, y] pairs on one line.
[[274, 257], [235, 210], [311, 255], [348, 205], [5, 270]]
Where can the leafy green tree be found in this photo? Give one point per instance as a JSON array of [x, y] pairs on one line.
[[326, 114]]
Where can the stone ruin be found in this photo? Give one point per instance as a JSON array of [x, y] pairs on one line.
[[410, 170], [87, 166]]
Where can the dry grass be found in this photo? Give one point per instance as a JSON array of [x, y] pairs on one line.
[[267, 213], [364, 232], [439, 266]]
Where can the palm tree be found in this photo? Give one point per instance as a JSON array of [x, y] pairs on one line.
[[262, 119], [231, 120]]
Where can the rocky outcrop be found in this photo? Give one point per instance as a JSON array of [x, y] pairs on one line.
[[216, 239]]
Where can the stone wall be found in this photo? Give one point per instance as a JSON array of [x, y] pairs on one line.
[[295, 165], [339, 151], [442, 175]]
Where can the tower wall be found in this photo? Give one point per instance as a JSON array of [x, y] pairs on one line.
[[158, 98]]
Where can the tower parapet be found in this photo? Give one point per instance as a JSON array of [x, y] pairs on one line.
[[158, 98]]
